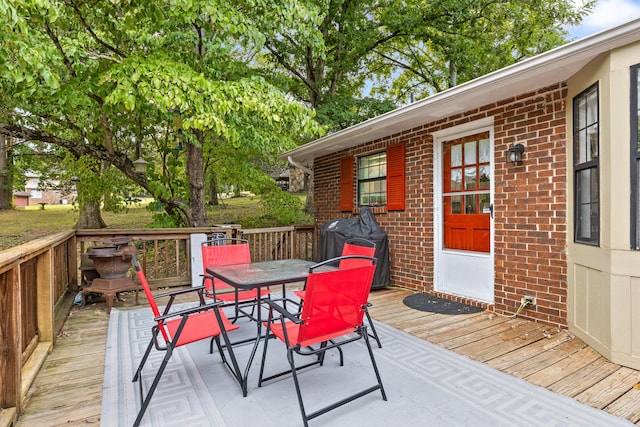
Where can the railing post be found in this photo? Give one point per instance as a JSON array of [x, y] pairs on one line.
[[45, 296], [294, 242], [73, 256], [10, 341]]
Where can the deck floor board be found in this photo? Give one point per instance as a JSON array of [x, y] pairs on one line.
[[68, 388]]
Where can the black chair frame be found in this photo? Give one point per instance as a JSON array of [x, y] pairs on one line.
[[360, 332], [170, 345]]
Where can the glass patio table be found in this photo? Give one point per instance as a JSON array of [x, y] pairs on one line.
[[257, 275]]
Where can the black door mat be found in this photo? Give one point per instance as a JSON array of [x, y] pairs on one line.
[[433, 304]]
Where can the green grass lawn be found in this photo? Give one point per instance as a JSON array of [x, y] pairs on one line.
[[25, 224]]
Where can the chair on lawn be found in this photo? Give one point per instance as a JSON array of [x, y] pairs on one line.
[[332, 316], [227, 251], [356, 246], [181, 327]]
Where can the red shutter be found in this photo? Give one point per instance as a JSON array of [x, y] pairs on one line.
[[346, 184], [395, 177]]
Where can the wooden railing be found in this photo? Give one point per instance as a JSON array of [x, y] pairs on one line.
[[165, 253], [280, 243], [39, 279], [34, 278]]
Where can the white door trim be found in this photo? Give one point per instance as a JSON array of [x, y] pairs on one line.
[[451, 266]]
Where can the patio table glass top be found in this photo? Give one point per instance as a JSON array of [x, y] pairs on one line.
[[258, 274]]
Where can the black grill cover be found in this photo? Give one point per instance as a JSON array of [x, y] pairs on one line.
[[334, 233]]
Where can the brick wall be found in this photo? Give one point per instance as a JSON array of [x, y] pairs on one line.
[[529, 203]]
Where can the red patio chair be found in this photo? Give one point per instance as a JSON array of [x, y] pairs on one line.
[[227, 251], [181, 327], [356, 246], [332, 316]]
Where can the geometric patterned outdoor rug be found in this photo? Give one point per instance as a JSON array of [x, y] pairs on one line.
[[426, 385]]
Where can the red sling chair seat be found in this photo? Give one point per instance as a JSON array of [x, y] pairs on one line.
[[356, 246]]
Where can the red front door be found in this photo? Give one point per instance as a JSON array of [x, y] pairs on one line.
[[467, 196]]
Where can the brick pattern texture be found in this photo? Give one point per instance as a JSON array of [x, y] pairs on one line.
[[530, 203]]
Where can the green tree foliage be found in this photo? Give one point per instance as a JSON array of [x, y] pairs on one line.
[[408, 46], [456, 41], [325, 66], [103, 80]]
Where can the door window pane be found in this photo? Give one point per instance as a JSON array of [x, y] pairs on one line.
[[484, 151], [456, 204], [456, 155], [470, 178], [485, 178], [456, 179], [470, 153], [485, 204], [470, 204]]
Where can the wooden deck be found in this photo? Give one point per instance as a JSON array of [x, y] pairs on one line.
[[68, 390]]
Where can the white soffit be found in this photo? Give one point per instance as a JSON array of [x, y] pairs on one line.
[[546, 69]]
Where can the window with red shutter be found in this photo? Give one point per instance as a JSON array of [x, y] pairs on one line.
[[381, 180]]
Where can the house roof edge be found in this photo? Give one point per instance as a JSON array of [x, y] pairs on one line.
[[548, 68]]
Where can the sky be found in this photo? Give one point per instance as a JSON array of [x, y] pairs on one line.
[[607, 14]]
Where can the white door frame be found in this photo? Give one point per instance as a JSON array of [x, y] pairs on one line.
[[454, 269]]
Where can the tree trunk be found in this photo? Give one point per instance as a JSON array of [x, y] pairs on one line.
[[195, 174], [213, 190], [6, 175], [90, 216], [453, 73]]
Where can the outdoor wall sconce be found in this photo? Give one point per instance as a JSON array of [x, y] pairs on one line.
[[514, 154], [140, 166]]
